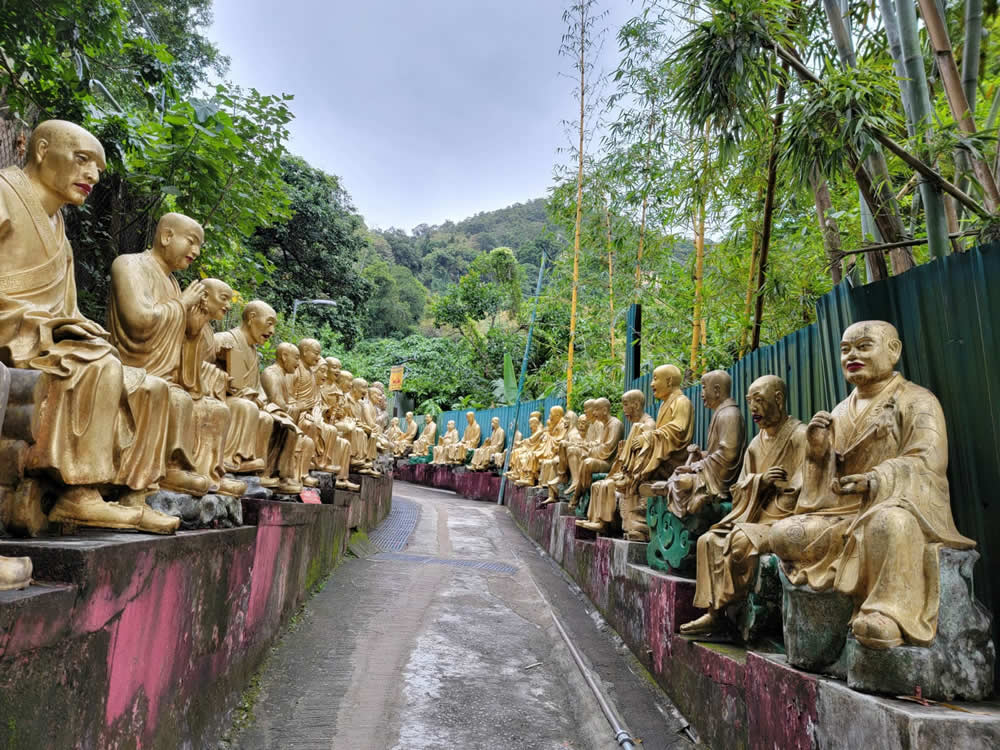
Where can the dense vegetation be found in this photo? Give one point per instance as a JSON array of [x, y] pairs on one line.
[[742, 158]]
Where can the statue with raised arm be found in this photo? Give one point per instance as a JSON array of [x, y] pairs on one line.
[[764, 493], [604, 498], [157, 327], [96, 422], [874, 511]]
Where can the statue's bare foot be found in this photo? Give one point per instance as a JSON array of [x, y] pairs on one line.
[[875, 630], [15, 573], [591, 525], [84, 506], [709, 623]]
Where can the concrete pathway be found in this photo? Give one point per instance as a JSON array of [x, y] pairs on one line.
[[448, 642]]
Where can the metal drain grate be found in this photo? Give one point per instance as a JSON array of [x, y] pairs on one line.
[[492, 567], [394, 532]]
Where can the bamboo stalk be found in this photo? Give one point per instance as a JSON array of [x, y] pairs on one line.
[[579, 206], [971, 51], [611, 279]]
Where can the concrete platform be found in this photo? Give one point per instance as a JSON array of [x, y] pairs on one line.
[[132, 640]]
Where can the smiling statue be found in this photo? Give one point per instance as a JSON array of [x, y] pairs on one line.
[[874, 510], [97, 422]]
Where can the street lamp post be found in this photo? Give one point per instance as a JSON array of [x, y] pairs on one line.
[[296, 303]]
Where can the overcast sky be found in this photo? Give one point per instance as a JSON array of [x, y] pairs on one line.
[[428, 109]]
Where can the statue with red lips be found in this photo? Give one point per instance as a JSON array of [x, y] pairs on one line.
[[874, 509], [96, 422]]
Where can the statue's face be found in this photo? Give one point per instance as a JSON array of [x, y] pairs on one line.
[[632, 408], [427, 419], [334, 364], [470, 418], [534, 423], [310, 354], [711, 392], [662, 385], [767, 405], [181, 244], [320, 371], [261, 327], [70, 164], [218, 300], [868, 353], [555, 417], [288, 359], [451, 425], [395, 421], [377, 397], [495, 422]]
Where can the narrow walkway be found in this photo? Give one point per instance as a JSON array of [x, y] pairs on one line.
[[443, 640]]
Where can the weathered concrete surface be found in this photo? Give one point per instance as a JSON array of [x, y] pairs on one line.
[[140, 641], [734, 697], [419, 651]]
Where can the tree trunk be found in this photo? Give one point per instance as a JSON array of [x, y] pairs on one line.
[[970, 51], [582, 67], [827, 225], [768, 220], [957, 102], [611, 279]]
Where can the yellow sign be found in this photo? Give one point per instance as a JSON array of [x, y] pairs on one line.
[[396, 378]]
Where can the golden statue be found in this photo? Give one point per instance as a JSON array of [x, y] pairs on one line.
[[595, 454], [288, 452], [765, 493], [363, 414], [482, 456], [658, 451], [707, 475], [603, 494], [405, 443], [556, 471], [520, 449], [469, 442], [307, 408], [447, 440], [553, 469], [153, 324], [394, 434], [547, 447], [423, 444], [96, 423], [874, 510], [278, 382]]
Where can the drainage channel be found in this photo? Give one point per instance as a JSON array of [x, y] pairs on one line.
[[395, 531], [492, 567]]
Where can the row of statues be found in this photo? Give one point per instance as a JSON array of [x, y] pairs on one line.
[[158, 401], [856, 501]]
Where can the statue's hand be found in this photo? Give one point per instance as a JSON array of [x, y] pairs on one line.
[[774, 475], [855, 484], [193, 295], [818, 431], [685, 469]]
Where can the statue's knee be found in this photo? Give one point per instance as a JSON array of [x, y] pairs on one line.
[[740, 545], [893, 523], [785, 539]]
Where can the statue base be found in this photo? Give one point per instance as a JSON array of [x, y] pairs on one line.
[[959, 662], [673, 540], [209, 511], [815, 625], [758, 617]]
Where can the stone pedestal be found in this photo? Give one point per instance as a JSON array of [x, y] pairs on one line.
[[206, 512], [958, 663], [815, 625]]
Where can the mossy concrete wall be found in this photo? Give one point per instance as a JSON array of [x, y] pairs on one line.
[[131, 641]]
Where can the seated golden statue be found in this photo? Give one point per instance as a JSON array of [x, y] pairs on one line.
[[520, 449], [470, 441], [595, 455], [96, 423], [482, 456], [363, 416], [447, 440], [874, 509], [423, 444], [278, 382], [405, 442], [765, 492], [308, 408], [288, 453], [394, 434], [547, 447], [603, 494], [707, 475], [554, 469], [152, 324]]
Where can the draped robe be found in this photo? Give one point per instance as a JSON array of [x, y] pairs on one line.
[[95, 421], [426, 439], [727, 553], [597, 460], [602, 493], [880, 550], [449, 438], [720, 463], [148, 325], [309, 411], [469, 442], [482, 455]]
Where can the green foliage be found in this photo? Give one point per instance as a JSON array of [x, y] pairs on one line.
[[396, 303]]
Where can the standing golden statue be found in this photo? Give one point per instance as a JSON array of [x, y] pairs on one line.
[[875, 510], [96, 422], [765, 492]]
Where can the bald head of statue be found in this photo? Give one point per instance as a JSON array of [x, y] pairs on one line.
[[666, 380], [64, 163], [716, 387], [177, 241], [869, 351], [259, 320]]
